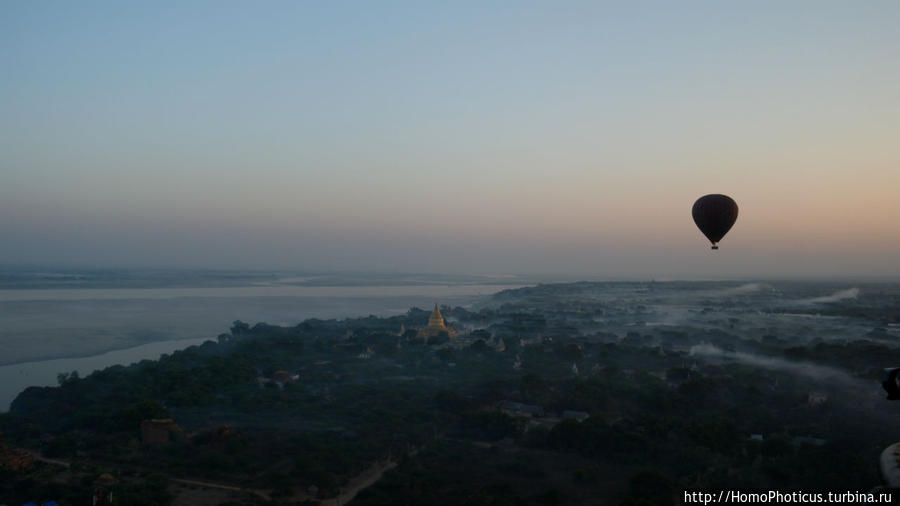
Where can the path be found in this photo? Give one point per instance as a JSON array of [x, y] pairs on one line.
[[36, 455], [218, 486], [360, 482]]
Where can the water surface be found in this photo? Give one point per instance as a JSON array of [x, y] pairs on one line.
[[45, 331]]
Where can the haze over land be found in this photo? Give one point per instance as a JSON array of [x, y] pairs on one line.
[[468, 137], [62, 320], [616, 393], [76, 313]]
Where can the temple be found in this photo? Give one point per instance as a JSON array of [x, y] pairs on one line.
[[436, 325]]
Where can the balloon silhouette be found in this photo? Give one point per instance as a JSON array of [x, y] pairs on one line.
[[715, 215]]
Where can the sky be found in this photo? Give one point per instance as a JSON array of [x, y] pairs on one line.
[[462, 137]]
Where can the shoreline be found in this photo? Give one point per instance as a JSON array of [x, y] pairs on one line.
[[16, 378], [93, 334], [46, 325], [100, 352]]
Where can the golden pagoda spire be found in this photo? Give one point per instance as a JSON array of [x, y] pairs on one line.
[[436, 320], [436, 325]]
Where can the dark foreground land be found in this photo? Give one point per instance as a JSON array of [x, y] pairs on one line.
[[584, 393]]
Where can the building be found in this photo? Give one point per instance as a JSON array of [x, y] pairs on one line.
[[518, 409], [159, 430], [578, 416], [282, 377], [817, 398], [103, 495], [12, 459], [436, 325], [806, 440]]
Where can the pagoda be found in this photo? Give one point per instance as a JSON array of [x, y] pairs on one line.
[[436, 325]]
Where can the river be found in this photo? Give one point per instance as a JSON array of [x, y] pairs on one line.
[[42, 330]]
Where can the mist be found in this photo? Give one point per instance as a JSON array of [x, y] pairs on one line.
[[850, 293], [823, 375]]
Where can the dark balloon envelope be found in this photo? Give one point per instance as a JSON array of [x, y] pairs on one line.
[[715, 215]]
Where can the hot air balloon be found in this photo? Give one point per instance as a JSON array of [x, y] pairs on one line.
[[714, 215]]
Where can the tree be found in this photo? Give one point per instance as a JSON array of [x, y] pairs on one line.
[[480, 346], [532, 384], [240, 328], [650, 487], [65, 378]]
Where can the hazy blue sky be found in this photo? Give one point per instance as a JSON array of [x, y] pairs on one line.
[[477, 137]]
